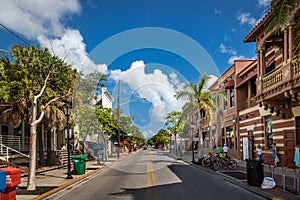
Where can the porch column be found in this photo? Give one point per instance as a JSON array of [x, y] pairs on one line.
[[285, 45], [291, 38], [262, 62]]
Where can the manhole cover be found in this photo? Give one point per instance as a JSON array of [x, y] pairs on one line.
[[237, 175]]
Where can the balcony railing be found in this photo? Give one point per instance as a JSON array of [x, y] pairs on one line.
[[272, 78], [275, 78], [15, 142]]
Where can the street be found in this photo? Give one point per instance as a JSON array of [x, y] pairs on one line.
[[150, 174]]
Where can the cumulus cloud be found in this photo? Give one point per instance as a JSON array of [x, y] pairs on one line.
[[71, 47], [247, 19], [158, 88], [233, 58], [34, 17], [44, 21], [224, 49]]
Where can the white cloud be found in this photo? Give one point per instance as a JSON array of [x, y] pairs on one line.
[[218, 11], [158, 88], [71, 47], [246, 18], [264, 2], [233, 58], [224, 49], [44, 21], [34, 17]]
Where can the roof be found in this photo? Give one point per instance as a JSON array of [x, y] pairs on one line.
[[261, 24]]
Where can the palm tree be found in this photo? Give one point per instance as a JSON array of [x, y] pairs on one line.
[[281, 11], [201, 97]]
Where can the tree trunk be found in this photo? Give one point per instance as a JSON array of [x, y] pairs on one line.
[[49, 150], [175, 145], [200, 147], [41, 146], [32, 152]]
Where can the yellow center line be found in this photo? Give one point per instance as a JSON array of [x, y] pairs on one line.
[[151, 178]]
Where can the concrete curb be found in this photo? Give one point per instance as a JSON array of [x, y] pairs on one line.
[[73, 181], [55, 190]]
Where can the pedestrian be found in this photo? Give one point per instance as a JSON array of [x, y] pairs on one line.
[[219, 149], [225, 149], [259, 152], [274, 154]]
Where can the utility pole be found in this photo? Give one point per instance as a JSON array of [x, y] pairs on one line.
[[119, 140]]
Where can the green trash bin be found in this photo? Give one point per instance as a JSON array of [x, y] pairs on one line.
[[79, 163]]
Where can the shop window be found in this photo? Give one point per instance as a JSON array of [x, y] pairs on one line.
[[268, 132], [230, 137], [213, 132], [206, 139]]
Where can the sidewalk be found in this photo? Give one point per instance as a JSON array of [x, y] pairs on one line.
[[54, 179], [276, 193]]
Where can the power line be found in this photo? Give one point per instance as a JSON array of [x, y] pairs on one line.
[[13, 33]]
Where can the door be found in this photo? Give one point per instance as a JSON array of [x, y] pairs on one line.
[[289, 148]]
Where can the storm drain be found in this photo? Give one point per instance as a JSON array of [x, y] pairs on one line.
[[237, 175]]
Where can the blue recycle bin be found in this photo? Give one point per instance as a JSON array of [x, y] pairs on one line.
[[2, 180]]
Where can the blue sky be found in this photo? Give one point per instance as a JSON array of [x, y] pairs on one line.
[[151, 46]]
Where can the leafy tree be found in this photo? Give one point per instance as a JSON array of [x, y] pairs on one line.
[[204, 99], [34, 81], [162, 138], [175, 124]]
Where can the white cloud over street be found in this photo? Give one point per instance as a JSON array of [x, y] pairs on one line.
[[157, 87]]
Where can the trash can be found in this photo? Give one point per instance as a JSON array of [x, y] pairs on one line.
[[255, 172], [79, 163], [13, 179], [2, 180]]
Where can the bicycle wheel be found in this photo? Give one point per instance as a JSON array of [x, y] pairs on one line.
[[206, 162], [215, 165], [232, 164]]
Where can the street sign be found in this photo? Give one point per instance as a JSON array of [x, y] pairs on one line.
[[195, 139]]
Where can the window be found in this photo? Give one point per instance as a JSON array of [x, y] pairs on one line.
[[231, 97], [268, 132], [230, 137], [225, 104], [206, 139], [213, 132]]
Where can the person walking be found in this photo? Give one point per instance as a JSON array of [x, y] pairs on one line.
[[274, 154], [259, 152], [225, 149]]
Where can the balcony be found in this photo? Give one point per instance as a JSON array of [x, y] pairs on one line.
[[285, 73]]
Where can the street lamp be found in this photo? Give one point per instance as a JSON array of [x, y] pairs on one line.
[[234, 132], [67, 114], [119, 108]]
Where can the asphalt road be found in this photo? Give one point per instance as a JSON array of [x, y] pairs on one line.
[[153, 175]]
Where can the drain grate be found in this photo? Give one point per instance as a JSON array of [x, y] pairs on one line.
[[237, 175]]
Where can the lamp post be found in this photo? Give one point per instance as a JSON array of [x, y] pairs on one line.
[[118, 111], [234, 132], [193, 156], [67, 114]]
